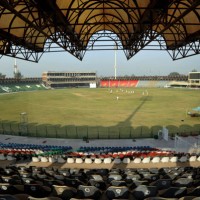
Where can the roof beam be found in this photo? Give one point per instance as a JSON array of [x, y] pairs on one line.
[[51, 8], [9, 7], [148, 18], [154, 36], [19, 41], [190, 38]]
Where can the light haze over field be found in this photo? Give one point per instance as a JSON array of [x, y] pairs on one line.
[[145, 62]]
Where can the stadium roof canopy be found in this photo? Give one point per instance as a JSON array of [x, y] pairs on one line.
[[28, 28]]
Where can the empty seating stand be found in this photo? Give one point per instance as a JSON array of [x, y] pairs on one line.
[[99, 184], [102, 173]]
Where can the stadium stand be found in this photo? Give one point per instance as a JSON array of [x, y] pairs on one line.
[[161, 84], [19, 87], [143, 83], [118, 83], [33, 170], [37, 170], [153, 83]]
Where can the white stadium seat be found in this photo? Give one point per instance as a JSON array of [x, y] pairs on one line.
[[44, 159], [10, 158], [78, 160], [52, 160], [61, 160], [97, 161], [137, 160], [107, 160], [117, 161], [70, 160], [146, 160], [174, 159], [35, 159], [126, 160], [88, 160], [165, 159], [183, 159], [198, 159], [156, 159], [192, 158], [2, 157]]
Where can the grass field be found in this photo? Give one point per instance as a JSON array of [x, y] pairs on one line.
[[100, 108]]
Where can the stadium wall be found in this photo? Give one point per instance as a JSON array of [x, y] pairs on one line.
[[132, 83], [96, 132], [118, 83]]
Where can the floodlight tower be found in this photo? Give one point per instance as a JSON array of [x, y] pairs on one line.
[[15, 68], [115, 65]]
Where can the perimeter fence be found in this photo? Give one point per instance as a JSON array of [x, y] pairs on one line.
[[98, 132]]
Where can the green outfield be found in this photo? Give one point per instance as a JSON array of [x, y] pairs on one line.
[[97, 112]]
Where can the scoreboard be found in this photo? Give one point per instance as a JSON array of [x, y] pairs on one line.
[[194, 79], [194, 75]]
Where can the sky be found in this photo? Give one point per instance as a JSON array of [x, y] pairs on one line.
[[145, 62]]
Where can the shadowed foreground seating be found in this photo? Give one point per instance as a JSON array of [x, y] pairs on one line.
[[162, 183], [98, 184], [88, 192], [6, 188], [118, 183], [72, 182], [174, 192], [7, 197], [189, 198], [36, 190], [116, 177], [195, 192], [46, 198], [160, 198], [183, 182], [64, 192], [113, 192], [143, 191]]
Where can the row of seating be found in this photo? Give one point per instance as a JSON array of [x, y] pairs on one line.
[[101, 184], [116, 149], [21, 87], [109, 160], [34, 146], [90, 193], [116, 155], [123, 154], [35, 150]]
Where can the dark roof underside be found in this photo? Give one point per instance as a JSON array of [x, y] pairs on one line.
[[28, 28]]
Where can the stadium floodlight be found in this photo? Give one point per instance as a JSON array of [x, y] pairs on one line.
[[115, 65]]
